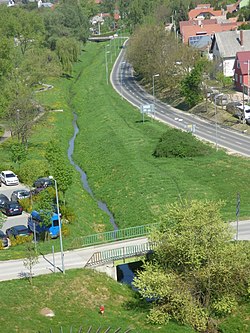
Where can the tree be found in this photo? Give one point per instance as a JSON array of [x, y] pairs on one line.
[[192, 84], [18, 152], [60, 169], [197, 273], [68, 50], [31, 259]]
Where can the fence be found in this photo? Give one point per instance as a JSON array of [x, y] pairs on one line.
[[102, 257], [113, 236]]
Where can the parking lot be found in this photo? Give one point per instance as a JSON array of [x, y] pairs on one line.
[[13, 220]]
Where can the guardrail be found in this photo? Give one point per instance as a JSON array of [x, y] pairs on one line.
[[105, 256], [113, 236]]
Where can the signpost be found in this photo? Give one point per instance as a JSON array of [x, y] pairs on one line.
[[237, 214], [147, 108]]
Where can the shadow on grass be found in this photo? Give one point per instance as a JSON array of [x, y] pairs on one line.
[[137, 304], [142, 121]]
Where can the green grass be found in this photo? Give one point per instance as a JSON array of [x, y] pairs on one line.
[[75, 299], [115, 149]]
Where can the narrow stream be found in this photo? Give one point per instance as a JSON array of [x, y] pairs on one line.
[[84, 179]]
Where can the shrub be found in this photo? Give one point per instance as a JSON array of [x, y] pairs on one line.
[[20, 240], [67, 213], [65, 230], [175, 143], [26, 204], [30, 170]]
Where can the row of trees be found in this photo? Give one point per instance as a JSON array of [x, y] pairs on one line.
[[36, 44], [152, 51]]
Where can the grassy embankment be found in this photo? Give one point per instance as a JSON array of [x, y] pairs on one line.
[[115, 149], [75, 299]]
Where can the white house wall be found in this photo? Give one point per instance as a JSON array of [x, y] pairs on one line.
[[228, 65]]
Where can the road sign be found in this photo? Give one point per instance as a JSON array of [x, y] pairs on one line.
[[147, 108]]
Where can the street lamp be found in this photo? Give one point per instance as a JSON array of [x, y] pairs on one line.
[[106, 60], [216, 127], [155, 75], [60, 225]]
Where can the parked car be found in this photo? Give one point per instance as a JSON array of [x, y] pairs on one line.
[[36, 224], [3, 239], [19, 194], [3, 199], [11, 208], [233, 108], [9, 178], [43, 182], [18, 230]]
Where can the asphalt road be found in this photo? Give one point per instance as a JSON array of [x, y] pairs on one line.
[[124, 83], [13, 220]]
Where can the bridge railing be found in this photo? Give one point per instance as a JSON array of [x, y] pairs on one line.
[[101, 257], [113, 236]]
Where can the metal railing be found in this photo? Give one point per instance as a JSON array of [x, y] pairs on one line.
[[105, 256], [113, 236]]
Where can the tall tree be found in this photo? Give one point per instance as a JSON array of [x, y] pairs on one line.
[[197, 273]]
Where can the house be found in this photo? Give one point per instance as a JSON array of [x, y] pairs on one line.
[[242, 71], [205, 11], [192, 31], [225, 45]]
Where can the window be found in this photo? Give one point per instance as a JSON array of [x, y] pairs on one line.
[[240, 79], [236, 77], [238, 64]]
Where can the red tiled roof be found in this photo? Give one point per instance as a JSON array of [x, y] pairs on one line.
[[195, 23], [207, 29], [193, 13]]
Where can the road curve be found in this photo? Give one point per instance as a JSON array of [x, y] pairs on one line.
[[123, 81]]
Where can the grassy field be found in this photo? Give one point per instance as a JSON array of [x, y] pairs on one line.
[[115, 149], [75, 299]]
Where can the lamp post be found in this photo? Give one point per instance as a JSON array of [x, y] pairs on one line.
[[106, 60], [60, 224], [155, 75], [216, 127]]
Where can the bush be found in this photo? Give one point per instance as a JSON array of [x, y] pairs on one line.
[[30, 170], [20, 240], [65, 230], [175, 143], [67, 213]]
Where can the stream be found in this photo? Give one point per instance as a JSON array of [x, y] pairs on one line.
[[84, 179]]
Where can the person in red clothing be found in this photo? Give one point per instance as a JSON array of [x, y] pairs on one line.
[[102, 309]]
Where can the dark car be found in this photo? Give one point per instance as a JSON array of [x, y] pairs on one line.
[[233, 108], [3, 200], [3, 239], [18, 230], [19, 194], [11, 208], [43, 182]]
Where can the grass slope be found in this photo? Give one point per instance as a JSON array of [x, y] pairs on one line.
[[75, 299], [115, 148]]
